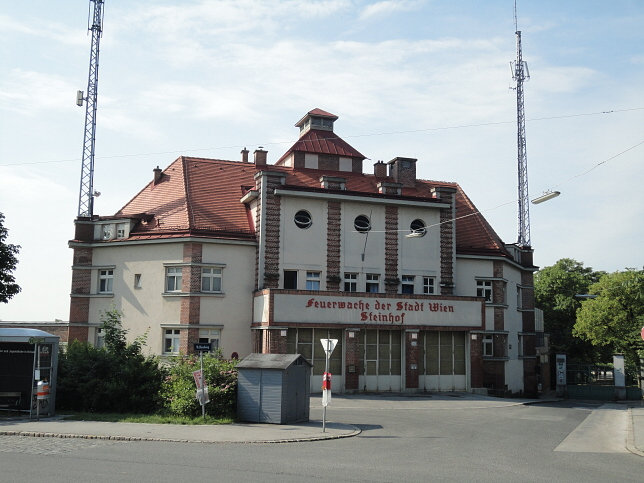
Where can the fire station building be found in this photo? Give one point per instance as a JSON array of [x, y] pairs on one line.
[[418, 289]]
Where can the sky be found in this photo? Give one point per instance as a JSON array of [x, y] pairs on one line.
[[427, 79]]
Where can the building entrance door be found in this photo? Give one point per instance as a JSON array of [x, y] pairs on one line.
[[380, 353], [442, 362]]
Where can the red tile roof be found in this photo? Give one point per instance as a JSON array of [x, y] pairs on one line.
[[323, 142], [317, 112], [201, 197]]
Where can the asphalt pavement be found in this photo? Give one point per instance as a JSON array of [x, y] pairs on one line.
[[60, 427]]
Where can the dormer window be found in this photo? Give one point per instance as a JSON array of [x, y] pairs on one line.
[[108, 232]]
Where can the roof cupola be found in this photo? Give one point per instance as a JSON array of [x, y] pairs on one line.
[[316, 119]]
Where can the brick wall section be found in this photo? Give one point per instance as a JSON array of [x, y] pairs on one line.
[[447, 234], [494, 376], [328, 162], [476, 362], [272, 227], [274, 342], [391, 249], [413, 353], [257, 340], [81, 284], [333, 245], [498, 288], [78, 333], [352, 358], [499, 318], [190, 305]]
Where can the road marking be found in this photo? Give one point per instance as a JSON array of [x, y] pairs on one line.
[[603, 431]]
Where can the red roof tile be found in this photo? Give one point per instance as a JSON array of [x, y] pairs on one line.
[[323, 142], [201, 197]]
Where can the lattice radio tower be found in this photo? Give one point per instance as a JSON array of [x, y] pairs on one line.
[[520, 73], [86, 196]]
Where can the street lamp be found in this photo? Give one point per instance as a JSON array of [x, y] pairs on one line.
[[548, 195]]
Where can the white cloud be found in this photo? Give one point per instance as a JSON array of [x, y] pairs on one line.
[[388, 7], [47, 30], [29, 92]]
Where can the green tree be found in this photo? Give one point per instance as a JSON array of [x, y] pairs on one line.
[[614, 318], [116, 378], [555, 290], [8, 262]]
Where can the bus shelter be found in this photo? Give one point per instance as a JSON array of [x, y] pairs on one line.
[[28, 363]]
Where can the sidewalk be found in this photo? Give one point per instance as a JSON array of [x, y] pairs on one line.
[[276, 433], [58, 427]]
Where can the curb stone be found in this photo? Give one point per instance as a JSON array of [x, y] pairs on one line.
[[34, 434]]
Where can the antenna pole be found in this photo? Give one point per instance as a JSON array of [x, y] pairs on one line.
[[520, 73], [86, 198]]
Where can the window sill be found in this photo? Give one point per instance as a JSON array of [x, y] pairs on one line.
[[193, 294], [490, 358], [490, 304], [93, 295]]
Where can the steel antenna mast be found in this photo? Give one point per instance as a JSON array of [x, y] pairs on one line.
[[86, 196], [521, 73]]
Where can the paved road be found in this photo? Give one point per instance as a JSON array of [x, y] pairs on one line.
[[402, 439]]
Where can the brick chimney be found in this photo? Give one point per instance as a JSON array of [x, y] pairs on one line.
[[403, 170], [244, 153], [158, 174], [260, 156], [380, 169]]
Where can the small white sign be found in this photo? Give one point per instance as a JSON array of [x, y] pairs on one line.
[[329, 345]]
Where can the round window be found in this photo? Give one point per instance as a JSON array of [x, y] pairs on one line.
[[418, 227], [362, 224], [303, 219]]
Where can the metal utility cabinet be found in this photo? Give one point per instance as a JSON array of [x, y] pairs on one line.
[[274, 388]]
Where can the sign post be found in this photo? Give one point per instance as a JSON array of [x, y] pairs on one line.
[[328, 345], [202, 389]]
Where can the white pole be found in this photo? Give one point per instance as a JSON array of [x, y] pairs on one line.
[[326, 370], [203, 385]]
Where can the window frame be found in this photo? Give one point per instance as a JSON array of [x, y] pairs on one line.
[[372, 280], [313, 280], [211, 336], [484, 289], [407, 282], [427, 285], [303, 219], [212, 274], [292, 278], [173, 335], [350, 281], [106, 280], [175, 274]]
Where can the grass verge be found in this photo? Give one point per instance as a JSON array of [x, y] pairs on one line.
[[145, 418]]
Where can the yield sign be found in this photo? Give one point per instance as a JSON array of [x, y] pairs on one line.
[[329, 345]]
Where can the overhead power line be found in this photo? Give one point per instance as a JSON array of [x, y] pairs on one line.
[[384, 133]]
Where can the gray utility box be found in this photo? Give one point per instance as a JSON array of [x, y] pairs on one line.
[[274, 388]]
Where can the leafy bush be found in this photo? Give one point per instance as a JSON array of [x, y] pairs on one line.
[[117, 378], [179, 390]]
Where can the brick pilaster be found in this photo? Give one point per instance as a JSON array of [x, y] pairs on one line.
[[81, 285], [333, 246], [476, 361], [447, 239], [411, 363], [274, 341], [272, 215], [391, 249], [352, 360], [190, 305]]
